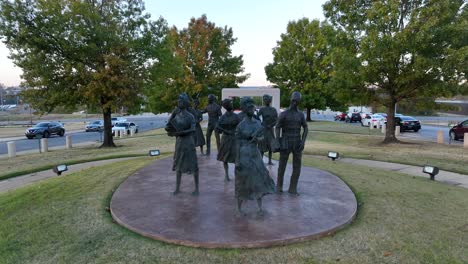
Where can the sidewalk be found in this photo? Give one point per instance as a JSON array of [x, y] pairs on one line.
[[17, 182], [451, 178]]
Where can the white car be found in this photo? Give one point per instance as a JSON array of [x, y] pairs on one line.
[[125, 127], [115, 120], [373, 120]]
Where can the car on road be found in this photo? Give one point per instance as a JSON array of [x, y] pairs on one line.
[[97, 125], [115, 120], [407, 123], [124, 126], [340, 116], [373, 120], [353, 117], [45, 129], [458, 131]]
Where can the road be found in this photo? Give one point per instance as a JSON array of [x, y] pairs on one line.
[[144, 123], [427, 132]]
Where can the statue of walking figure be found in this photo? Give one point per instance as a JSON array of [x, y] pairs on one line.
[[214, 112], [227, 126], [198, 135], [288, 135], [181, 125], [269, 117], [252, 180]]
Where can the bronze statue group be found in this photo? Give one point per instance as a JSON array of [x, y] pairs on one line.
[[244, 141]]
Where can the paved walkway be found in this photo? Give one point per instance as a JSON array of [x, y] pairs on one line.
[[451, 178], [17, 182], [443, 176]]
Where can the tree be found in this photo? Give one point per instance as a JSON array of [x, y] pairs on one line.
[[83, 52], [301, 62], [203, 64], [404, 49]]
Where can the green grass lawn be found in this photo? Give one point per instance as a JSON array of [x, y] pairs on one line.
[[401, 219]]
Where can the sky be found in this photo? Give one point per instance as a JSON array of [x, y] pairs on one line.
[[257, 25]]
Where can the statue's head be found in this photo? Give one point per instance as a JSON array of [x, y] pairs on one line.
[[184, 101], [296, 98], [267, 99], [211, 98], [247, 106], [227, 104]]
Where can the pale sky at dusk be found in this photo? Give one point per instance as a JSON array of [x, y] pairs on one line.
[[257, 25]]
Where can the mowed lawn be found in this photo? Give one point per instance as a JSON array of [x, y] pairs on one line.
[[401, 219]]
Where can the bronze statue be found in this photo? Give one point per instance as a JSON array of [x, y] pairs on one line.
[[214, 112], [227, 126], [289, 140], [252, 180], [198, 135], [181, 124], [269, 117]]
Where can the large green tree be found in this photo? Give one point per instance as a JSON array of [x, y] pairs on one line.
[[406, 50], [302, 62], [203, 64], [82, 52]]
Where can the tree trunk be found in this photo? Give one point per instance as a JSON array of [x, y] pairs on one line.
[[390, 131], [108, 139], [308, 115]]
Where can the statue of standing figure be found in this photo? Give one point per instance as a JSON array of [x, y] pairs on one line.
[[181, 125], [227, 126], [269, 117], [214, 112], [288, 135], [198, 135], [252, 180]]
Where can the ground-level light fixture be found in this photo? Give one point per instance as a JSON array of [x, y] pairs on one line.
[[154, 152], [333, 155], [431, 170], [60, 168]]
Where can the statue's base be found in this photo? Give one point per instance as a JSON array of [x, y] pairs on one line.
[[144, 203]]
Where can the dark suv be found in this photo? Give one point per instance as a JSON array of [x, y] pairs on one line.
[[45, 129], [355, 117], [458, 131]]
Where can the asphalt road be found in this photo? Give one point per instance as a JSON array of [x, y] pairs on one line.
[[144, 123], [427, 132]]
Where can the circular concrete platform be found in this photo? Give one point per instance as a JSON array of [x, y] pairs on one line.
[[144, 204]]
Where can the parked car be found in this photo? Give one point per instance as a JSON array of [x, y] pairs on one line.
[[45, 129], [115, 120], [382, 114], [353, 117], [97, 125], [458, 131], [340, 117], [373, 120], [124, 126], [407, 123]]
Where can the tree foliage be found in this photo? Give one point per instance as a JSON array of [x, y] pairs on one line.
[[203, 64], [401, 49], [83, 52], [302, 62]]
